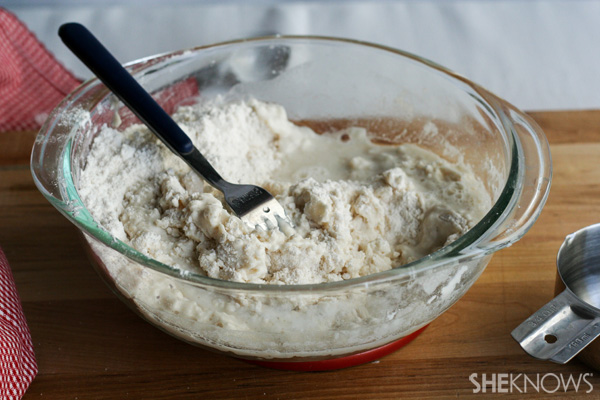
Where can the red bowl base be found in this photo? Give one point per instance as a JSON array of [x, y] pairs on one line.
[[341, 362]]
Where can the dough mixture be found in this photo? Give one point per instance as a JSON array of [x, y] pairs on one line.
[[357, 207]]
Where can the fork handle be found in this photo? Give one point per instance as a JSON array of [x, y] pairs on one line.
[[106, 67]]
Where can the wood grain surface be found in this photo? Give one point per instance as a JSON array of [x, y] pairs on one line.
[[90, 346]]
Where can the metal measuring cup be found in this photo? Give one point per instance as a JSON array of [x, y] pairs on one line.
[[571, 321]]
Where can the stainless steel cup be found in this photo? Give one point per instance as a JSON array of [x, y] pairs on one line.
[[571, 321]]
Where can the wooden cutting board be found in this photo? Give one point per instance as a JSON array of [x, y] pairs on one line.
[[91, 346]]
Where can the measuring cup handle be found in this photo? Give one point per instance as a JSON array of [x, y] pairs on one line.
[[559, 330]]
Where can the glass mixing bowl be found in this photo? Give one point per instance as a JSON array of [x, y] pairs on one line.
[[333, 83]]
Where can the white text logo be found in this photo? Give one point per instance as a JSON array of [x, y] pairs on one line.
[[523, 383]]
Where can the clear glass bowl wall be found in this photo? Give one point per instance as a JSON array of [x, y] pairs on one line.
[[391, 93]]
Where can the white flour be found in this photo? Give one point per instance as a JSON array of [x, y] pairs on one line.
[[358, 208]]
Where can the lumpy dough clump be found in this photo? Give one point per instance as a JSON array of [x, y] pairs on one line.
[[357, 207]]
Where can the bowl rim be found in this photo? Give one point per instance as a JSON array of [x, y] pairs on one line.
[[462, 249]]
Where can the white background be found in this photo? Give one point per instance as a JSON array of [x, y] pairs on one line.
[[542, 54]]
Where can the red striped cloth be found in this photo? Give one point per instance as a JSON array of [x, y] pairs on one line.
[[32, 82], [17, 360]]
